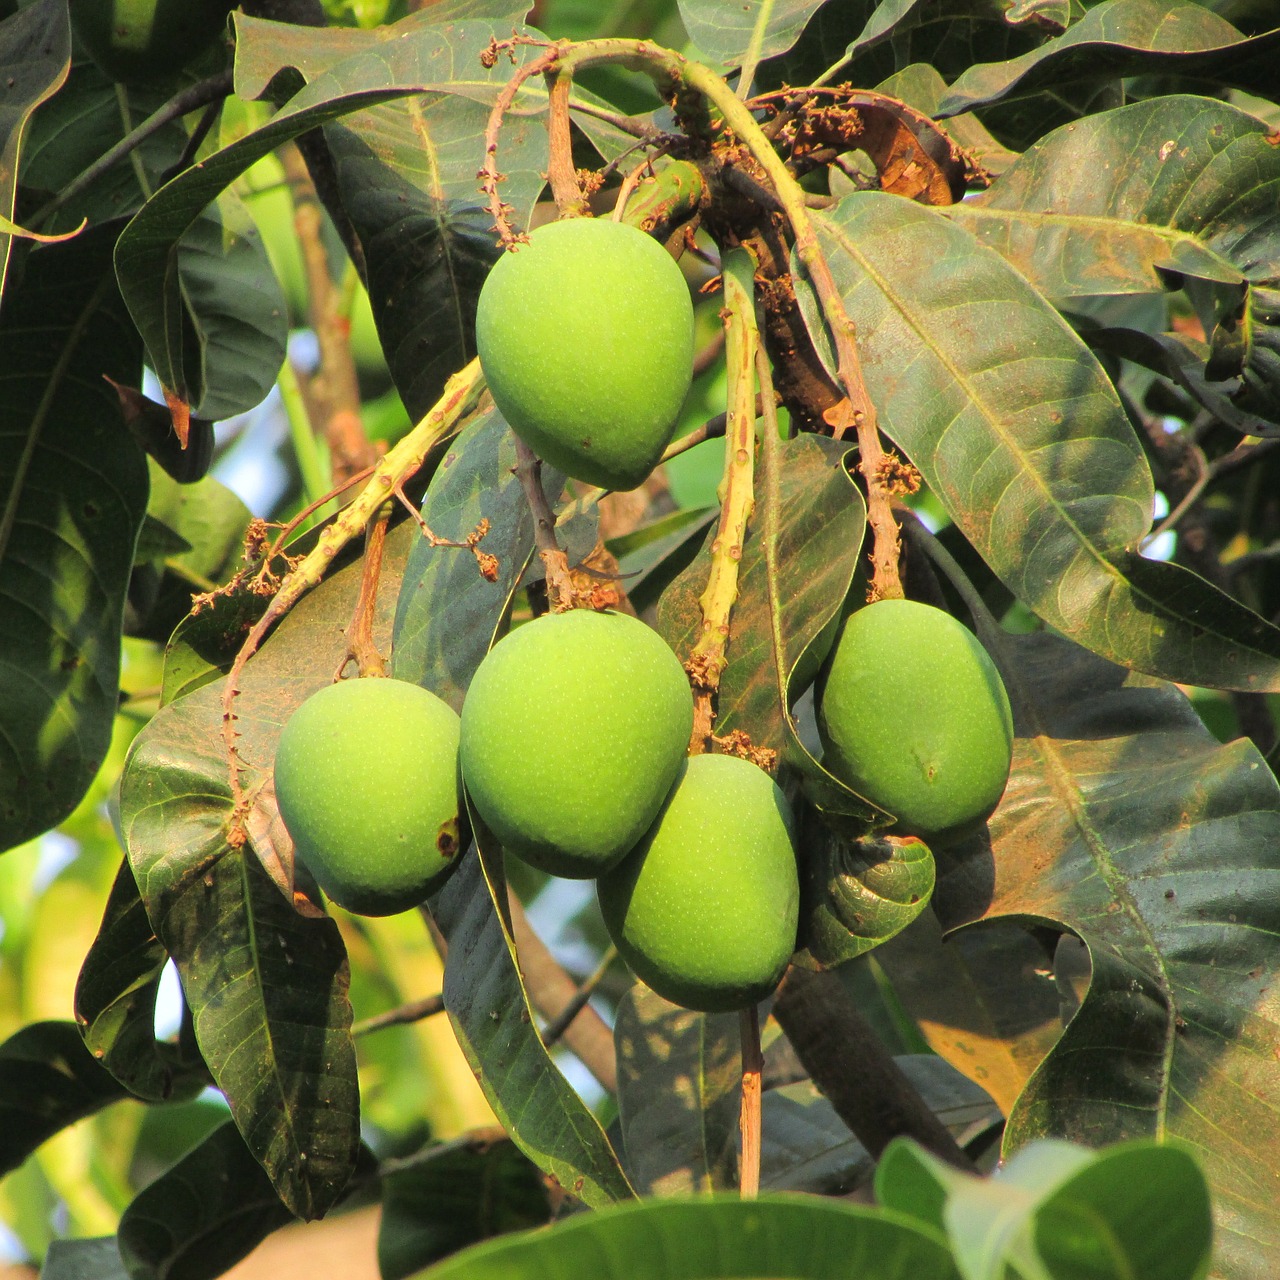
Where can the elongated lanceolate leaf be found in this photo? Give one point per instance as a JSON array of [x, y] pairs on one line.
[[1126, 822], [48, 1080], [35, 51], [202, 1216], [1127, 38], [267, 986], [742, 34], [1018, 432], [73, 493], [716, 1239], [489, 1008], [421, 59]]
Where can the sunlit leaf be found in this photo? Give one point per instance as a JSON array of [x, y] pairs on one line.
[[1018, 432], [709, 1239], [741, 34], [1126, 822]]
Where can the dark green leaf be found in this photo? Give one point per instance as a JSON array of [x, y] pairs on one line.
[[199, 1219], [116, 1002], [414, 58], [491, 1017], [467, 1192], [1127, 823], [802, 1239], [1126, 38], [1020, 435], [743, 33], [97, 1259], [1137, 1209], [448, 615], [679, 1077], [267, 986], [35, 50], [74, 489], [48, 1080]]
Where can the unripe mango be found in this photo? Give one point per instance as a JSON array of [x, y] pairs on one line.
[[705, 908], [366, 778], [147, 41], [914, 717], [585, 336], [573, 730]]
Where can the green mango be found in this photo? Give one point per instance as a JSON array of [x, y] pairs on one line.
[[705, 909], [585, 336], [913, 716], [573, 730], [366, 778]]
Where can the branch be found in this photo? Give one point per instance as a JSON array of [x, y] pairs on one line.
[[402, 1015], [188, 100], [403, 460], [558, 1025], [849, 1063], [553, 991]]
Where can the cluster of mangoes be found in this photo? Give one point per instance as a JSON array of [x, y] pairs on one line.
[[572, 742], [571, 747]]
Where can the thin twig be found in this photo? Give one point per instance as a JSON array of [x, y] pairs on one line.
[[1188, 500], [361, 648], [560, 1023], [196, 95], [750, 1117], [561, 174], [555, 563], [402, 1015]]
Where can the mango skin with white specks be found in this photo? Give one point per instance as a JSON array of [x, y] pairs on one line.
[[913, 716], [585, 336], [366, 778], [705, 909], [573, 730]]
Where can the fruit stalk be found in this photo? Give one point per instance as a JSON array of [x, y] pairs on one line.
[[560, 592], [669, 69], [742, 341], [460, 394], [561, 175], [750, 1117]]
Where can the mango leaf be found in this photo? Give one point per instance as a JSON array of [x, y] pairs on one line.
[[412, 58], [35, 51], [1174, 897], [491, 1016], [95, 1259], [406, 172], [467, 1191], [744, 33], [1055, 1209], [679, 1088], [116, 1002], [267, 987], [202, 1216], [801, 1238], [48, 1080], [1031, 454], [1126, 38], [1191, 189], [75, 493]]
